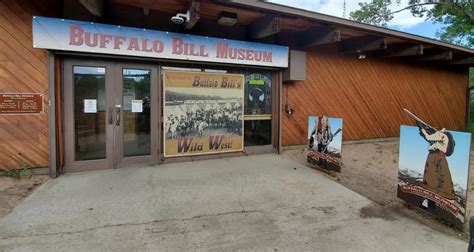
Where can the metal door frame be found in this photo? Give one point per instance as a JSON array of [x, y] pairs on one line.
[[114, 135], [120, 160], [70, 164]]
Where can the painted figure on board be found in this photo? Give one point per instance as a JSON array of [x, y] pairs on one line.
[[437, 176], [321, 136]]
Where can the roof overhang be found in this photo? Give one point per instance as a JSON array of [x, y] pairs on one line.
[[278, 9]]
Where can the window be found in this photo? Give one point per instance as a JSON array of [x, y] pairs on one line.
[[257, 103], [258, 108], [89, 113]]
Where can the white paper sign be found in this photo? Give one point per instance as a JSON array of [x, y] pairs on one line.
[[137, 106], [90, 106]]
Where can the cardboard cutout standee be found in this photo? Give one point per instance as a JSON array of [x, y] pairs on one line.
[[324, 143], [433, 169]]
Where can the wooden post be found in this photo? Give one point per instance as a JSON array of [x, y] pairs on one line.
[[51, 117]]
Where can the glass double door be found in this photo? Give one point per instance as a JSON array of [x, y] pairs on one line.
[[110, 115]]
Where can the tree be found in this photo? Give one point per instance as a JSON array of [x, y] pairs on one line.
[[471, 77], [457, 16]]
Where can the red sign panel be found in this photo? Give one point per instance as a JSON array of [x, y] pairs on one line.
[[21, 103]]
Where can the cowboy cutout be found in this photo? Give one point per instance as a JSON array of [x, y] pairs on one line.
[[323, 135]]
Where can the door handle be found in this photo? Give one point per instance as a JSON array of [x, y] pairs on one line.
[[117, 115], [111, 116]]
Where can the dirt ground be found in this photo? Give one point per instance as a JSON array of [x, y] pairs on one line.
[[371, 169], [13, 191]]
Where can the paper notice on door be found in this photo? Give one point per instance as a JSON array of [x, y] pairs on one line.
[[90, 106], [137, 106]]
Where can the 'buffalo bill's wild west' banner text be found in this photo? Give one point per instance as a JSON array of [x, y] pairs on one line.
[[203, 113], [71, 35]]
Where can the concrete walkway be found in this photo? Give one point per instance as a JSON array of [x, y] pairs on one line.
[[259, 202]]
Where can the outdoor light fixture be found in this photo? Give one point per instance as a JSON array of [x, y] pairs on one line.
[[361, 55], [227, 18], [289, 110]]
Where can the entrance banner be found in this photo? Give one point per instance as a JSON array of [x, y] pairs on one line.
[[433, 170], [203, 113], [71, 35]]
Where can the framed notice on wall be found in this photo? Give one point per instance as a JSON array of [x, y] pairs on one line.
[[203, 113], [21, 103]]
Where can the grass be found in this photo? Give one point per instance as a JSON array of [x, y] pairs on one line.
[[24, 171]]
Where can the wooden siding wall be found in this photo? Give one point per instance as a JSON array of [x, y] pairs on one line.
[[369, 95], [23, 138]]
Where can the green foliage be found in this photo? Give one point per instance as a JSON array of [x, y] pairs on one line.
[[471, 77], [457, 16], [18, 173], [376, 13]]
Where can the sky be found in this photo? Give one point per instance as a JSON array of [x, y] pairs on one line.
[[335, 123], [414, 150], [402, 21]]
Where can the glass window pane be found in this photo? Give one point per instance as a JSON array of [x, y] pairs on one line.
[[136, 112], [89, 113], [258, 132], [258, 93], [258, 106]]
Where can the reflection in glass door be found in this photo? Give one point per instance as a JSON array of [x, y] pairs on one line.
[[136, 112], [89, 113], [136, 138], [88, 129], [110, 110]]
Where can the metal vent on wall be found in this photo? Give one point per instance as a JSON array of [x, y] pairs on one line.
[[296, 70]]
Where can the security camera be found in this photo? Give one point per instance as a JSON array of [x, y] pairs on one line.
[[181, 18]]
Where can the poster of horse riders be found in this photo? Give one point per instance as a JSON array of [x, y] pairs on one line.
[[203, 113], [434, 169]]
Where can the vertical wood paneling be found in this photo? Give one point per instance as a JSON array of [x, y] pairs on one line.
[[23, 138], [369, 95]]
